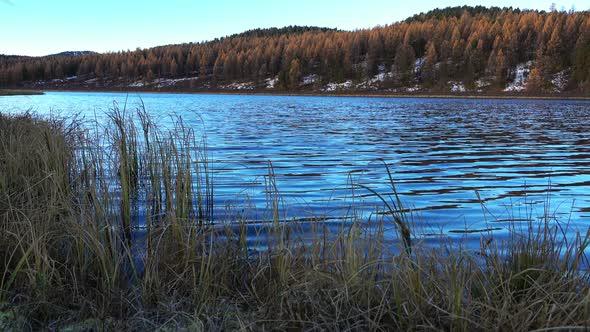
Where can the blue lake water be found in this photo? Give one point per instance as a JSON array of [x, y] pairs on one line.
[[523, 157]]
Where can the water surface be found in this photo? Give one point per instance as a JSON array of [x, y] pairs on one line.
[[461, 165]]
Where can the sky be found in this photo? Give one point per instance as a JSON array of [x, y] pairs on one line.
[[42, 27]]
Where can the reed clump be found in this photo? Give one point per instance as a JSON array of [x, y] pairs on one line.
[[74, 256]]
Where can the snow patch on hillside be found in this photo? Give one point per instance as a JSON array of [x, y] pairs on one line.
[[484, 82], [381, 77], [271, 83], [310, 79], [167, 82], [521, 75], [239, 86], [338, 86], [375, 80], [418, 64], [138, 84], [159, 83], [457, 86], [560, 81]]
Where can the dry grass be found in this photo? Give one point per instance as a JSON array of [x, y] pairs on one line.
[[71, 257]]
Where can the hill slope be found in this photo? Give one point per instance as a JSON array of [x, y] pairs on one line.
[[71, 53], [451, 50]]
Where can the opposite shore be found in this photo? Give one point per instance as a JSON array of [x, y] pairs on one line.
[[20, 92], [376, 94]]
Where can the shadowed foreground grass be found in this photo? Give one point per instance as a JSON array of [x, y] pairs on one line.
[[71, 257]]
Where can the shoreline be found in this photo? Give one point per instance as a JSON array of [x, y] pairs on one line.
[[320, 94], [17, 92]]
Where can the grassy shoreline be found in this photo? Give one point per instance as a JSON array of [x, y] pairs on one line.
[[20, 92], [343, 94], [70, 260]]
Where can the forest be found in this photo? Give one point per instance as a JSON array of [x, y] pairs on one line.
[[478, 47]]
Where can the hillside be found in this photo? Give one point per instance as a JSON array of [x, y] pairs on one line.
[[451, 50], [71, 53]]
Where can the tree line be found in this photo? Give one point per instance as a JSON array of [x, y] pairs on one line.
[[458, 43]]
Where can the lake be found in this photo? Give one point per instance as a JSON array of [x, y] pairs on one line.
[[522, 157]]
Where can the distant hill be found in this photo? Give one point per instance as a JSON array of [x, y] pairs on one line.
[[61, 54], [458, 11], [71, 53], [11, 57], [450, 50], [289, 30]]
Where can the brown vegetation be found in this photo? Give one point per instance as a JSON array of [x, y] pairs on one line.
[[462, 43]]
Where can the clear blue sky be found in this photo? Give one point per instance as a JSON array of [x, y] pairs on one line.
[[41, 27]]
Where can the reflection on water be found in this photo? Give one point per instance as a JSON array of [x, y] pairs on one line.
[[463, 166]]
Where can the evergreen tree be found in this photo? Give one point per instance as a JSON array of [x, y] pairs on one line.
[[404, 63], [535, 81], [500, 68], [173, 68], [294, 74], [430, 60]]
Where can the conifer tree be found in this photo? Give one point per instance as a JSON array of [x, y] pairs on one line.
[[535, 81], [173, 68], [430, 60], [500, 68], [294, 74], [404, 63]]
